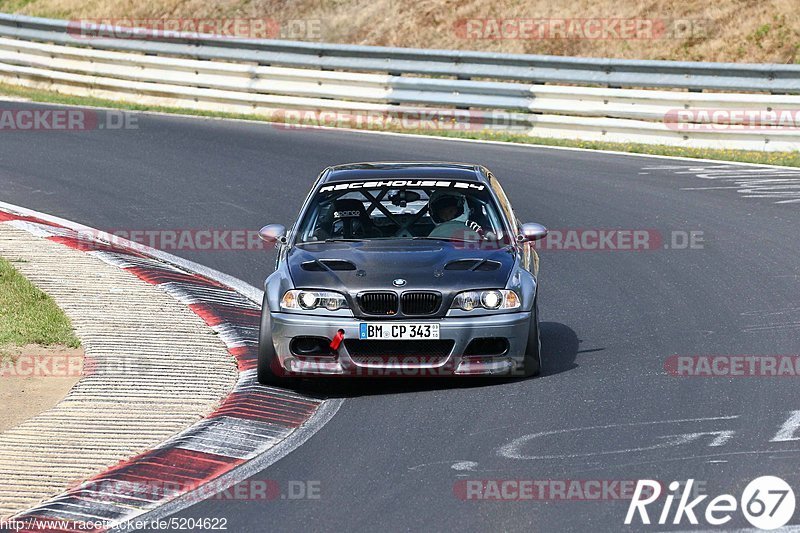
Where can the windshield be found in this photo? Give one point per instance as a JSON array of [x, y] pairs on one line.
[[444, 210]]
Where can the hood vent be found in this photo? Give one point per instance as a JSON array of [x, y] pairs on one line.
[[323, 265], [475, 265]]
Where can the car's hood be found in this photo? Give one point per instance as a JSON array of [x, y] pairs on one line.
[[423, 264]]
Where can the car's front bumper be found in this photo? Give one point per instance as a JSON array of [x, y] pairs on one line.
[[511, 326]]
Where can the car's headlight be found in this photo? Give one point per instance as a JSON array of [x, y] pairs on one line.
[[298, 299], [491, 299]]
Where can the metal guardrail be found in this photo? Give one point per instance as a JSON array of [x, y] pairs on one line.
[[500, 91], [461, 64]]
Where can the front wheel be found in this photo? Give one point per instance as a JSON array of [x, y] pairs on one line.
[[532, 364], [269, 370]]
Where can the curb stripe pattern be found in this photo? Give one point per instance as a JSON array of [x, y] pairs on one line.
[[252, 419]]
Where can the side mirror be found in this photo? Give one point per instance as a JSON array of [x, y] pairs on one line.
[[531, 232], [274, 233]]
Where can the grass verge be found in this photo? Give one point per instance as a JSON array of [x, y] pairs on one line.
[[790, 159], [29, 316]]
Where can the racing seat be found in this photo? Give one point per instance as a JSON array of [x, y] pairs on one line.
[[351, 221], [476, 213]]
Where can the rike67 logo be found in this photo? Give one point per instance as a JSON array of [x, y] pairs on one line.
[[767, 502]]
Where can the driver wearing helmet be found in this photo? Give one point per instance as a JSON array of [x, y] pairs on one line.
[[448, 210]]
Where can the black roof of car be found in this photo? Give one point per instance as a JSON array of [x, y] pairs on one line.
[[381, 171]]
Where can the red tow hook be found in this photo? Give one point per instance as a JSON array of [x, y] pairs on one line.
[[337, 340]]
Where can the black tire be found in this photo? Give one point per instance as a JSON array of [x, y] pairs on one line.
[[269, 371], [532, 364]]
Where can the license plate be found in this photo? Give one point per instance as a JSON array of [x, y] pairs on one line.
[[403, 332]]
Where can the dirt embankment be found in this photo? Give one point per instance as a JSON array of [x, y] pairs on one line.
[[724, 30], [34, 378]]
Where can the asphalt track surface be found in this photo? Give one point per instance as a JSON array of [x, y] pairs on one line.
[[604, 408]]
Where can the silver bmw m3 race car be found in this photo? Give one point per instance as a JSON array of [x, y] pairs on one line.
[[402, 269]]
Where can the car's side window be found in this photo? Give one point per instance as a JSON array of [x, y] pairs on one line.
[[529, 257], [505, 205]]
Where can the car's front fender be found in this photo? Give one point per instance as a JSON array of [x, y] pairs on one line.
[[525, 284], [275, 286]]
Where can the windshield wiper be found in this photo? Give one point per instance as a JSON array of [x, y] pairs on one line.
[[447, 239], [329, 240]]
